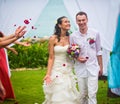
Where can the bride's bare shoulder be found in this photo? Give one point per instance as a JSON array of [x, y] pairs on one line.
[[52, 39]]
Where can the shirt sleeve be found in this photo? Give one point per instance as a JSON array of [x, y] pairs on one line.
[[98, 45]]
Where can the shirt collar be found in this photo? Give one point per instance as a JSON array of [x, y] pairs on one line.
[[84, 34]]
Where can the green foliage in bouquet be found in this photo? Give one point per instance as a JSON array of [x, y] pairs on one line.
[[32, 56]]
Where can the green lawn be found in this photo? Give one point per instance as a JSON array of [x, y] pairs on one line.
[[28, 88]]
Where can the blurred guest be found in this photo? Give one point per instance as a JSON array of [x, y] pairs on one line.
[[6, 90]]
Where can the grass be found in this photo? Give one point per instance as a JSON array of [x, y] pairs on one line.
[[28, 88]]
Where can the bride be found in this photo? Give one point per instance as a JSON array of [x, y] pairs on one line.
[[59, 83]]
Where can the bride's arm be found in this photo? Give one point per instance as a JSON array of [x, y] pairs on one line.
[[50, 60]]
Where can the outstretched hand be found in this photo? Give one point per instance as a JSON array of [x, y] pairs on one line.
[[20, 31], [26, 44]]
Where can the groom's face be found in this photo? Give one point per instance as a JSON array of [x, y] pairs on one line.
[[82, 20]]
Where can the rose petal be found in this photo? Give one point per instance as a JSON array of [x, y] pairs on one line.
[[32, 27], [34, 36], [63, 64], [14, 24], [26, 21]]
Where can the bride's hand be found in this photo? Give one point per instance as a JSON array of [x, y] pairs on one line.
[[47, 79]]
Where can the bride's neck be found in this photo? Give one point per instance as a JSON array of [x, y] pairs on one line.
[[63, 34]]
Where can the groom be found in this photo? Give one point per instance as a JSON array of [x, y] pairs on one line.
[[88, 66]]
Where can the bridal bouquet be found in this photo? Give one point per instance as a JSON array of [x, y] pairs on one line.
[[73, 51]]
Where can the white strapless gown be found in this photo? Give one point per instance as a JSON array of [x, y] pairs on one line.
[[63, 89]]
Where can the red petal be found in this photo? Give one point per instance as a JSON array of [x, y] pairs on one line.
[[34, 36], [26, 21], [14, 24], [32, 27]]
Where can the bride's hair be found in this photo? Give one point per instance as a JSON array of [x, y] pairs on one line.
[[57, 30]]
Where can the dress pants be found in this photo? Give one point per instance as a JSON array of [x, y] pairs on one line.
[[88, 87]]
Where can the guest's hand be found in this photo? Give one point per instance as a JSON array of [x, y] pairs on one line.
[[47, 79], [26, 44], [14, 51], [82, 59], [20, 31]]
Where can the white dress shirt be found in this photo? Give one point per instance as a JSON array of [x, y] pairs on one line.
[[90, 67]]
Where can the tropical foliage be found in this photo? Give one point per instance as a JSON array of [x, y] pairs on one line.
[[33, 56]]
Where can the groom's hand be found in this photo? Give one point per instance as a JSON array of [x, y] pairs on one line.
[[82, 59]]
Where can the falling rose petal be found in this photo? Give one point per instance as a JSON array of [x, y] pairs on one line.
[[26, 22], [104, 81], [32, 27], [14, 24], [56, 75], [63, 64], [87, 57], [34, 36]]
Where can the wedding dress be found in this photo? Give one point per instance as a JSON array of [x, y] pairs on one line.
[[62, 89]]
